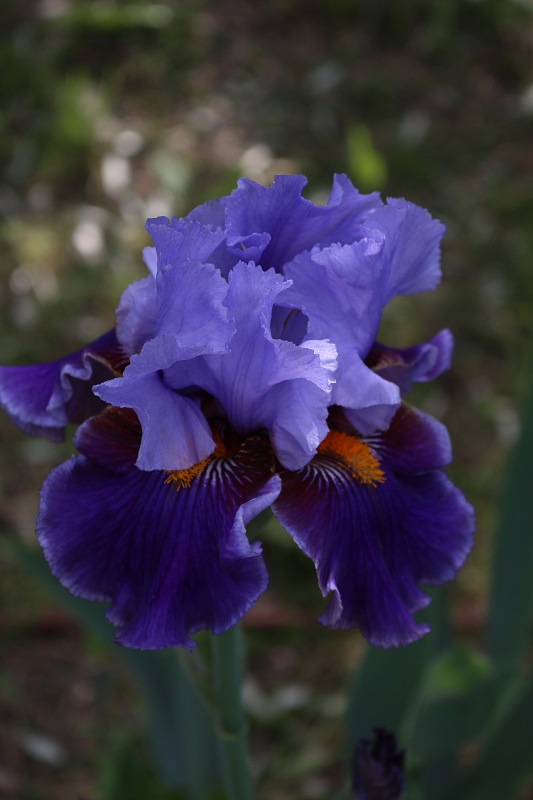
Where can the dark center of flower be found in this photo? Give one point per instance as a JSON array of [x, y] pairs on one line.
[[354, 454]]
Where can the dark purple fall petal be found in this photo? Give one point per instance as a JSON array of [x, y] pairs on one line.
[[42, 398], [171, 560], [373, 545]]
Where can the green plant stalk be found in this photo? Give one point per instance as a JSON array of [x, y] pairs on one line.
[[227, 653]]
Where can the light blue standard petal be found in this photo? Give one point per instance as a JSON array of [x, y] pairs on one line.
[[412, 247], [175, 433], [264, 382], [191, 320], [294, 223], [136, 314], [369, 401], [168, 551], [42, 398], [347, 309], [191, 306], [239, 248], [339, 289], [176, 241]]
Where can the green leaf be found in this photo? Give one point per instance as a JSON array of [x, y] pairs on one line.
[[388, 681], [126, 772], [457, 700], [180, 726], [506, 759], [511, 602]]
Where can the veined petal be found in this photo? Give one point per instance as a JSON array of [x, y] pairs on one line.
[[211, 214], [171, 554], [377, 525], [347, 309], [192, 320], [262, 382], [239, 248], [175, 433], [369, 400], [136, 314], [294, 223], [42, 398], [348, 306], [412, 247], [191, 306], [421, 363], [176, 241]]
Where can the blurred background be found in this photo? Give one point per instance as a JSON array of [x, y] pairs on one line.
[[112, 112]]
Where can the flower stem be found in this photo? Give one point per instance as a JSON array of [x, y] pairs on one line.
[[227, 653]]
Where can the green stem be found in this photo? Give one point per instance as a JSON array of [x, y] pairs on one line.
[[227, 653]]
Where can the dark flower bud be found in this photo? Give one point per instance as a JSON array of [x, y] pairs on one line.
[[378, 768]]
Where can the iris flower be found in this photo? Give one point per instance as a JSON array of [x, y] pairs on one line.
[[244, 373]]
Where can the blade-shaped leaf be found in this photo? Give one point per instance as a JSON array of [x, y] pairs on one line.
[[511, 604], [180, 726], [387, 681], [506, 759]]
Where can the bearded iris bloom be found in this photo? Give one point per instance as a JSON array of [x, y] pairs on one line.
[[244, 373]]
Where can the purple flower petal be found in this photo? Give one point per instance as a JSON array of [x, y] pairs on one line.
[[347, 309], [369, 401], [191, 306], [339, 289], [176, 242], [262, 382], [192, 320], [414, 443], [170, 553], [136, 314], [378, 521], [412, 247], [294, 223], [42, 398], [175, 432], [422, 362]]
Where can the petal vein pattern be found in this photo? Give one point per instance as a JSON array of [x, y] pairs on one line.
[[176, 242], [347, 308], [264, 382], [192, 320], [376, 532], [294, 223], [170, 561]]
